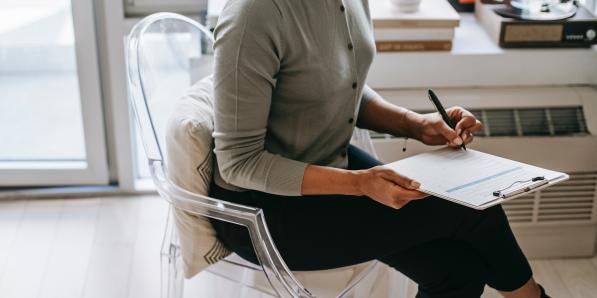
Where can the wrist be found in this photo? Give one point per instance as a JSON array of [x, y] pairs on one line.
[[354, 179], [413, 122]]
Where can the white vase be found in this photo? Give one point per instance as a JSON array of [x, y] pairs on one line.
[[406, 5]]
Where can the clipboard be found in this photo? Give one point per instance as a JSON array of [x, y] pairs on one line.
[[474, 179]]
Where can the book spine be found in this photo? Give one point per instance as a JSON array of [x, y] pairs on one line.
[[413, 46], [410, 34], [386, 23]]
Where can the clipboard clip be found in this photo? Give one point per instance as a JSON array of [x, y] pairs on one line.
[[504, 193]]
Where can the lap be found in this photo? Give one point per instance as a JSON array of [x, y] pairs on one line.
[[429, 240], [334, 231], [321, 232]]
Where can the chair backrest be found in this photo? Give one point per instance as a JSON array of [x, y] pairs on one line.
[[167, 53]]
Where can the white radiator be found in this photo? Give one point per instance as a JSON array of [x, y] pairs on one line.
[[546, 126]]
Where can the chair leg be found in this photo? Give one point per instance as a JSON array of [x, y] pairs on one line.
[[172, 279]]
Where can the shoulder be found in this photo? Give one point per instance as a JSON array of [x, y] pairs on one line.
[[265, 7], [252, 25], [254, 14]]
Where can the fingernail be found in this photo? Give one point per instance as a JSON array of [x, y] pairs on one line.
[[415, 184], [457, 141]]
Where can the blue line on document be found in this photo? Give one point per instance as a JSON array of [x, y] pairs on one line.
[[483, 179]]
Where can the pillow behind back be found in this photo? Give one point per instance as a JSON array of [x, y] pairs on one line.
[[189, 158]]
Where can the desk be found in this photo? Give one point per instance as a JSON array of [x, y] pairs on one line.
[[476, 60]]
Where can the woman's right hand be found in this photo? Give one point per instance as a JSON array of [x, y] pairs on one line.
[[387, 187]]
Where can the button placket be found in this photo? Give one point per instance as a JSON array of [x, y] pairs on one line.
[[351, 48]]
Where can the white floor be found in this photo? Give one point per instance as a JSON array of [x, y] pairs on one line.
[[109, 248]]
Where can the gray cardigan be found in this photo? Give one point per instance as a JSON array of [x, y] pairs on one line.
[[289, 82]]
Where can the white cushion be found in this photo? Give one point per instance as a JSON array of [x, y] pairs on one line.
[[189, 163]]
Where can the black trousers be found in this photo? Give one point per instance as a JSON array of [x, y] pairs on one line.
[[448, 249]]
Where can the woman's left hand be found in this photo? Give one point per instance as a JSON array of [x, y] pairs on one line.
[[432, 130]]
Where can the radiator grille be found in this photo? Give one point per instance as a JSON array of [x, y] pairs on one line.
[[520, 209], [571, 200], [557, 121]]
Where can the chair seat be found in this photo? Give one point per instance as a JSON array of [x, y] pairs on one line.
[[322, 283]]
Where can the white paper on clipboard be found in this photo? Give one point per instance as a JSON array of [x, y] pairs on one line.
[[471, 177]]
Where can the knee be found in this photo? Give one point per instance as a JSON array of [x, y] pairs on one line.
[[465, 278]]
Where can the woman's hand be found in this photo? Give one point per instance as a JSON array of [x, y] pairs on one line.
[[432, 130], [387, 187]]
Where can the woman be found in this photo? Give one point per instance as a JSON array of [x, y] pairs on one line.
[[289, 87]]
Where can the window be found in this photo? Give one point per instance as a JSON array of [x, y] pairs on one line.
[[49, 94]]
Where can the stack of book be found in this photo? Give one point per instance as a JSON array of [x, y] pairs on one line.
[[431, 28]]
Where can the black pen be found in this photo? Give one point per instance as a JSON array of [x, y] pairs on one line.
[[442, 111]]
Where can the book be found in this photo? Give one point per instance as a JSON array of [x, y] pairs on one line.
[[411, 34], [431, 14], [472, 178], [412, 46]]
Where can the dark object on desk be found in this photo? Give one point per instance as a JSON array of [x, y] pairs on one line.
[[463, 5], [579, 31], [440, 108], [532, 11]]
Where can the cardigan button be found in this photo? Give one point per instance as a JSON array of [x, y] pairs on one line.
[[351, 120], [350, 46], [342, 8], [354, 85]]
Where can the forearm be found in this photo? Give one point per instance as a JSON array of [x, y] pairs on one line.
[[379, 183], [318, 180], [382, 116]]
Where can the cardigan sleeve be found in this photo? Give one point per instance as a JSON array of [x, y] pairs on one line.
[[248, 49], [368, 95]]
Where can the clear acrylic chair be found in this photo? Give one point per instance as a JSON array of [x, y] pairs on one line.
[[167, 53]]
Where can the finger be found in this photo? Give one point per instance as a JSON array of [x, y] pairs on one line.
[[400, 193], [465, 120], [467, 137], [476, 127], [466, 123], [448, 133], [420, 196], [397, 204], [453, 145], [400, 180]]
